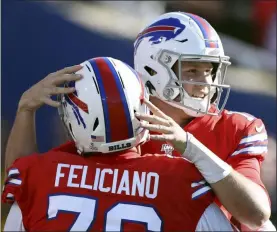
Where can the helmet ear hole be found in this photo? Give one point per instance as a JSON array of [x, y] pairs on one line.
[[96, 123], [150, 87], [150, 71]]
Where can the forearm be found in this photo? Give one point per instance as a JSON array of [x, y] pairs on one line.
[[244, 199], [22, 138]]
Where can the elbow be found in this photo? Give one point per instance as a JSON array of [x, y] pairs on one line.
[[259, 218]]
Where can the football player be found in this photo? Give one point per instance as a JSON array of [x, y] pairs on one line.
[[100, 182], [181, 59]]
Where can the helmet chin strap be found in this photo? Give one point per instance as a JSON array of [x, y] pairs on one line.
[[193, 113]]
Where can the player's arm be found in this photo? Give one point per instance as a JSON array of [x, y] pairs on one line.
[[18, 180], [246, 160], [22, 138], [243, 198]]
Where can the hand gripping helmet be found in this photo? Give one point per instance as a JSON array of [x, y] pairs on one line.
[[100, 114], [176, 37]]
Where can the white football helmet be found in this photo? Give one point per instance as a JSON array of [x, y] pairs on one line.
[[100, 114], [176, 37]]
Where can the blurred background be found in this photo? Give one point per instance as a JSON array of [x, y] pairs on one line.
[[39, 37]]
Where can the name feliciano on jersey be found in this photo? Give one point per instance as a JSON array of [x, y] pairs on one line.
[[131, 183]]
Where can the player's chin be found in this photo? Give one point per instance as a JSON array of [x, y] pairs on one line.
[[177, 103]]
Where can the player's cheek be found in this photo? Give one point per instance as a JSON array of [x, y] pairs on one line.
[[188, 88]]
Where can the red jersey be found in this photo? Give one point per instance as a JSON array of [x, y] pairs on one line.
[[238, 138], [61, 191]]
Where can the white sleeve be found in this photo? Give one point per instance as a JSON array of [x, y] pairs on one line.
[[213, 219], [14, 219]]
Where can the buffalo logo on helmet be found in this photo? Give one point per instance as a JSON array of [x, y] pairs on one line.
[[168, 29]]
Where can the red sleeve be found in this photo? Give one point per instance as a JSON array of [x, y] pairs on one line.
[[248, 167], [253, 142], [250, 152], [17, 176]]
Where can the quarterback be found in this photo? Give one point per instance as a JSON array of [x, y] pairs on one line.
[[181, 60]]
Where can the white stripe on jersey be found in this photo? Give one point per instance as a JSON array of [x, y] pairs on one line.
[[200, 191], [254, 138], [13, 171], [195, 184], [252, 150], [10, 195], [15, 181]]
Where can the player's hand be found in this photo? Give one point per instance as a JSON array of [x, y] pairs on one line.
[[169, 130], [40, 93]]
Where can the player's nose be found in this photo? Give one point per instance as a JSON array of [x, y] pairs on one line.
[[201, 90], [205, 78]]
